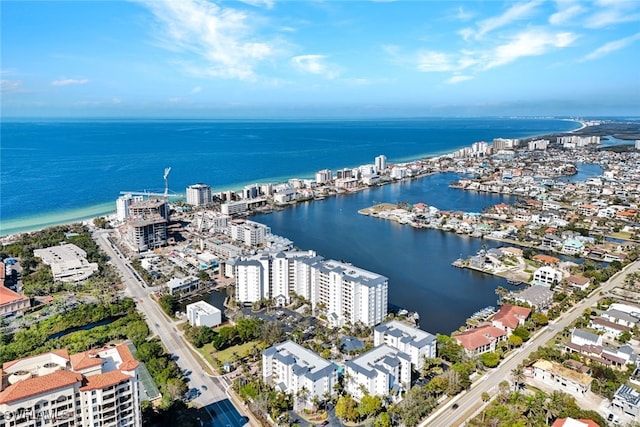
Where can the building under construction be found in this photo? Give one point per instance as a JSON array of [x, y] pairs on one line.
[[147, 224]]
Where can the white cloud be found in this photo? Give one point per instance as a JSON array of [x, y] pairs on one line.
[[514, 13], [463, 15], [222, 39], [611, 47], [532, 42], [260, 3], [566, 13], [196, 89], [314, 64], [613, 12], [435, 61], [9, 86], [459, 78], [68, 82]]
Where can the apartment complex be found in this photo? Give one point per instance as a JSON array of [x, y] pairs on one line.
[[346, 294], [293, 368], [378, 372], [415, 342], [89, 389]]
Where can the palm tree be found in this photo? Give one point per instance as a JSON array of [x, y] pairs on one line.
[[518, 376]]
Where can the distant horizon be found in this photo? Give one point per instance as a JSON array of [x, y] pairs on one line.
[[313, 118]]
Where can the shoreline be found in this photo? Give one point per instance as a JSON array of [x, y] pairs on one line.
[[13, 227]]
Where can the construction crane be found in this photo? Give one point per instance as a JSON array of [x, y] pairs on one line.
[[166, 182], [148, 193]]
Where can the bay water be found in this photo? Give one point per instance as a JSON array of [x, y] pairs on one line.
[[54, 172]]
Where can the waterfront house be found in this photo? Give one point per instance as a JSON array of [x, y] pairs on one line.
[[578, 282], [546, 276], [573, 247], [539, 297], [561, 378], [480, 340], [546, 259], [510, 317]]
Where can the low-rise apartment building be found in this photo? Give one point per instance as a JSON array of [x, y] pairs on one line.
[[415, 342], [296, 370], [378, 372]]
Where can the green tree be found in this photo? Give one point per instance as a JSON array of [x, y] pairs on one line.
[[383, 420], [169, 304], [490, 359], [540, 319], [346, 408], [624, 337], [369, 406], [521, 332], [448, 348], [515, 341]]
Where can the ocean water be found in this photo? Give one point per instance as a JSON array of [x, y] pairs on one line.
[[53, 172]]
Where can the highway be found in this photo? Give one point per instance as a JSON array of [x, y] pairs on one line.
[[447, 416], [213, 388]]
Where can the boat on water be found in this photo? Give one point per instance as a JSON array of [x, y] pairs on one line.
[[514, 282]]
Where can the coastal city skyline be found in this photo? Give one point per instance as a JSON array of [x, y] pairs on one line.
[[281, 59]]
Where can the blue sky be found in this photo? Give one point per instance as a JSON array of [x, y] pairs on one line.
[[197, 58]]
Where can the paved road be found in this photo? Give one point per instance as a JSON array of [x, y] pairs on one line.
[[446, 416], [213, 388]]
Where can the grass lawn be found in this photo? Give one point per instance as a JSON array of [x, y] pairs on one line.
[[226, 355], [621, 235]]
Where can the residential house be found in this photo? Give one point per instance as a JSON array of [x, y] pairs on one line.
[[539, 297], [510, 317], [561, 378], [480, 340], [627, 399], [546, 276], [578, 282]]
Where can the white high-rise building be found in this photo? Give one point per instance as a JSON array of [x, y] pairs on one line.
[[324, 176], [93, 388], [199, 195], [249, 233], [381, 163], [348, 294], [351, 294]]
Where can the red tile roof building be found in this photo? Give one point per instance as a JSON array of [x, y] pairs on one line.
[[93, 388], [570, 422], [510, 317], [11, 302], [480, 340]]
